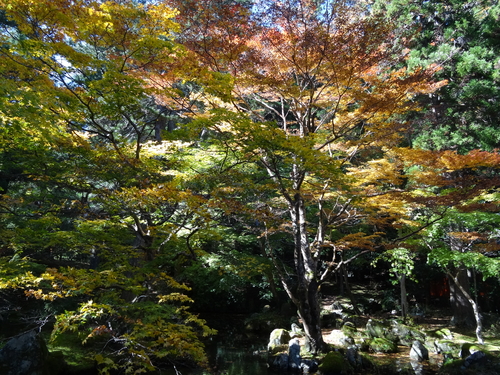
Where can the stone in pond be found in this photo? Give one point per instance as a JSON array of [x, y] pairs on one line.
[[294, 359]]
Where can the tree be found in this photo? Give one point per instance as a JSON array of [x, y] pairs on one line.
[[91, 206], [458, 197], [462, 37], [401, 267], [312, 102]]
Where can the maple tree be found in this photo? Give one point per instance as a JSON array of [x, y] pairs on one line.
[[457, 195], [138, 152], [312, 102], [89, 195]]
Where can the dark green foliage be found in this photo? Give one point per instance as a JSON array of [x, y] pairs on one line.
[[462, 38]]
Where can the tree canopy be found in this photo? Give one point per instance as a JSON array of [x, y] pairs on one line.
[[150, 151]]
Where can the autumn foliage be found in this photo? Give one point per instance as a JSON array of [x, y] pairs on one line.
[[145, 145]]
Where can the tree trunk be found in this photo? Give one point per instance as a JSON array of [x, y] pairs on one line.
[[306, 298], [475, 307], [463, 313], [348, 290], [404, 299]]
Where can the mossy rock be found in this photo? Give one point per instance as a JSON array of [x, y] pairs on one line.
[[380, 329], [405, 334], [443, 334], [334, 363], [381, 345], [490, 365], [469, 348], [276, 349], [349, 329], [363, 344], [278, 341], [447, 347]]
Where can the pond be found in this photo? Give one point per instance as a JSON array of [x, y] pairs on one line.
[[232, 351], [235, 351]]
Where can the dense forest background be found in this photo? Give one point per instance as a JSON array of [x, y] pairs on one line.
[[161, 159]]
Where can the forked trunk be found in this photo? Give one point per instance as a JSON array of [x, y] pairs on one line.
[[306, 296]]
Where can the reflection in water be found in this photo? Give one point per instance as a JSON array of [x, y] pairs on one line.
[[234, 359], [233, 352], [240, 360]]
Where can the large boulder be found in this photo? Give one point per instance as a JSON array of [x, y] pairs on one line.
[[339, 338], [475, 358], [292, 362], [468, 349], [444, 334], [278, 341], [26, 354]]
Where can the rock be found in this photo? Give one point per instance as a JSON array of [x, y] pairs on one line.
[[468, 349], [353, 357], [308, 366], [278, 340], [363, 344], [349, 329], [381, 345], [296, 330], [333, 363], [380, 329], [406, 335], [419, 352], [280, 362], [347, 342], [25, 355], [418, 368], [294, 359], [339, 338], [478, 363], [444, 334], [446, 347], [337, 306], [475, 358]]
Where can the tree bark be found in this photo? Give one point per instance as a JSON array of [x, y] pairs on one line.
[[475, 307], [463, 313], [307, 298], [404, 299]]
